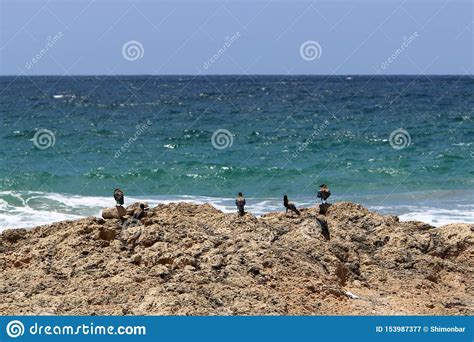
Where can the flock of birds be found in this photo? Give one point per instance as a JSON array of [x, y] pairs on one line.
[[323, 194], [139, 212]]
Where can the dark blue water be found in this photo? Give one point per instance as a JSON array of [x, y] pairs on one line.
[[152, 136]]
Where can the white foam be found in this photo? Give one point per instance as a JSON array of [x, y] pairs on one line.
[[29, 209], [434, 215], [438, 217], [23, 209]]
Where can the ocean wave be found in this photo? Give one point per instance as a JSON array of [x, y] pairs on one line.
[[24, 209]]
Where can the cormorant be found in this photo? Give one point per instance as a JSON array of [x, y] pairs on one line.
[[290, 205], [139, 212], [324, 193], [118, 195], [240, 203]]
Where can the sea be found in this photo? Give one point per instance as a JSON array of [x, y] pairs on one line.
[[399, 145]]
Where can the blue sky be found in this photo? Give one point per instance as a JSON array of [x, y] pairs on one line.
[[236, 37]]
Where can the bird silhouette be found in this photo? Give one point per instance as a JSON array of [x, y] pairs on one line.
[[324, 193], [118, 196], [240, 203], [290, 205], [139, 213]]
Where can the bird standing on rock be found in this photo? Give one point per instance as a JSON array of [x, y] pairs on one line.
[[140, 212], [324, 193], [240, 203], [290, 205], [118, 196]]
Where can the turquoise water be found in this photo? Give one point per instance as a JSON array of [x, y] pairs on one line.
[[152, 137]]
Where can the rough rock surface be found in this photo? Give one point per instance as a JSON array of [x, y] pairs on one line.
[[189, 259]]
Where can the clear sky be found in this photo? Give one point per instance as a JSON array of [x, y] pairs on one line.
[[40, 37]]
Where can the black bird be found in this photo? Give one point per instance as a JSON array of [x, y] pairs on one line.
[[290, 205], [240, 203], [324, 193], [139, 212], [118, 195]]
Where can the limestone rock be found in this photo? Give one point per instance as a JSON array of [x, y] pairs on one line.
[[187, 259], [114, 213]]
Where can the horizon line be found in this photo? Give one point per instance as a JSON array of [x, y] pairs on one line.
[[241, 75]]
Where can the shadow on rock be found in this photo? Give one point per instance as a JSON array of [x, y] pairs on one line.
[[323, 226], [323, 208]]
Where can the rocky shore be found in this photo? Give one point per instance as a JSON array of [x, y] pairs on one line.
[[186, 259]]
